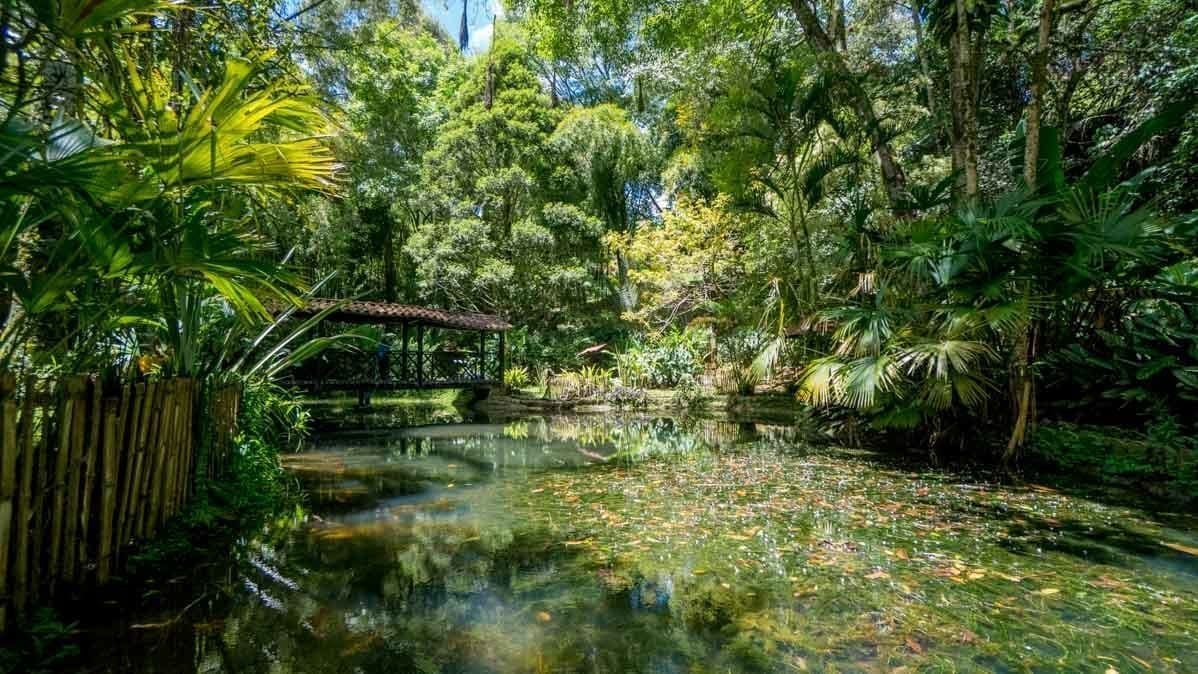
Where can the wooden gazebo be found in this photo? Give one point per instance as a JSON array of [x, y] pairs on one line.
[[475, 355]]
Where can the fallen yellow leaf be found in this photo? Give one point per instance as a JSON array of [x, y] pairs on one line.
[[1181, 548], [1048, 591]]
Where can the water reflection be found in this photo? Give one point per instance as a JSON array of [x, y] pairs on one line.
[[621, 544]]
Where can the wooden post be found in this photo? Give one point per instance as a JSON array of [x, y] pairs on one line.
[[403, 354], [8, 485], [502, 356], [420, 354], [482, 355]]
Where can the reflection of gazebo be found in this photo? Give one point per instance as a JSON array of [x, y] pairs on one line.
[[407, 365]]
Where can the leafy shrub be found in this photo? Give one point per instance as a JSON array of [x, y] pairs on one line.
[[516, 377], [41, 644], [632, 369], [589, 382], [736, 379], [688, 395], [273, 415], [627, 396], [1161, 460], [665, 360]]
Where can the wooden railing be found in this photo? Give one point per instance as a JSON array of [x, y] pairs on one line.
[[405, 371], [84, 472]]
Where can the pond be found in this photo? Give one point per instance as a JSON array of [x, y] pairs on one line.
[[638, 544]]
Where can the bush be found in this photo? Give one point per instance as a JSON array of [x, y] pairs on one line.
[[736, 379], [1161, 460], [665, 360], [588, 383], [688, 395], [273, 415], [516, 377], [627, 396]]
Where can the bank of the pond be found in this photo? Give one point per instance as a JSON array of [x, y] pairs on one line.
[[764, 407], [1133, 464]]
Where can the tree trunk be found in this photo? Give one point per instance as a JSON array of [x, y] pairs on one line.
[[1024, 382], [1023, 391], [893, 178], [1035, 106], [839, 29], [925, 68], [964, 57]]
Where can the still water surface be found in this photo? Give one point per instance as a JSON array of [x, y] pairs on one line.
[[613, 544]]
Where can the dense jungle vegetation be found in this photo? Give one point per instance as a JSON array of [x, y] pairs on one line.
[[967, 226]]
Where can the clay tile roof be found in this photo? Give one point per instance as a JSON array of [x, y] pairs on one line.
[[356, 311]]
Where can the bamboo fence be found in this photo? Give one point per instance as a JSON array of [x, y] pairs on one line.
[[84, 472]]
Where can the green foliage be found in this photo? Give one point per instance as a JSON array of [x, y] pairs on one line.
[[141, 189], [688, 395], [271, 415], [664, 360], [626, 397], [516, 376], [43, 644], [1163, 461], [588, 383]]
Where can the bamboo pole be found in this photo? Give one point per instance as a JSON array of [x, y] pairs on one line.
[[176, 454], [165, 478], [154, 430], [91, 461], [40, 520], [155, 486], [108, 491], [138, 430], [59, 483], [8, 480], [187, 481], [74, 477], [25, 487], [186, 432], [125, 438]]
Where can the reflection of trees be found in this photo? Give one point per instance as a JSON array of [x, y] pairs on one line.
[[470, 578]]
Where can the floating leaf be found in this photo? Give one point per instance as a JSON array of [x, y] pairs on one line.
[[1181, 548]]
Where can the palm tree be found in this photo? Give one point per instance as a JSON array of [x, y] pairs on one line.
[[154, 197]]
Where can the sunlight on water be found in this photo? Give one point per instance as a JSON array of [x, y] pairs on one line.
[[607, 544]]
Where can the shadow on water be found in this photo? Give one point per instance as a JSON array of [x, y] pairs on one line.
[[642, 544]]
